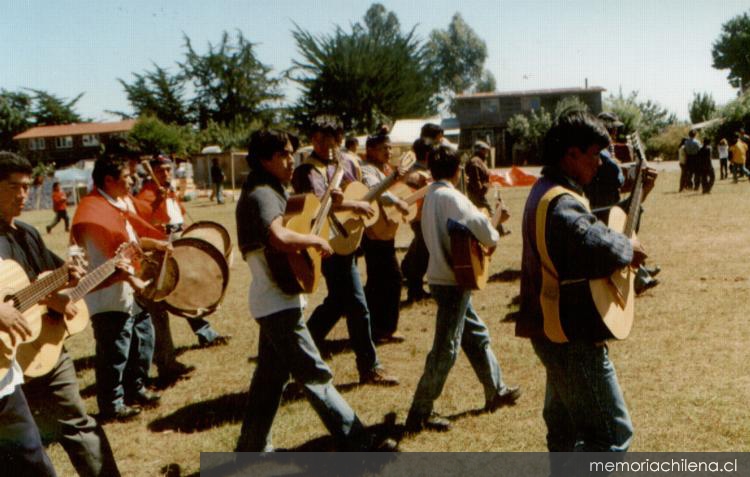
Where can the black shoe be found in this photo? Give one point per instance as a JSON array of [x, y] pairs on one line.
[[394, 337], [48, 228], [653, 271], [220, 340], [143, 398], [433, 422], [121, 414], [643, 285], [417, 295], [383, 445], [507, 397]]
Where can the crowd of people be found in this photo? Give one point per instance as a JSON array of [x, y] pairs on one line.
[[565, 243], [694, 157]]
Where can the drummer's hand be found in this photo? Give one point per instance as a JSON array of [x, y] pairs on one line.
[[639, 253], [322, 246], [153, 244], [13, 323], [61, 303]]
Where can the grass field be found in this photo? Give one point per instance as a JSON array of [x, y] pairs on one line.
[[681, 370]]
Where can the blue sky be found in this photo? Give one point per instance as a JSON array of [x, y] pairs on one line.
[[660, 48]]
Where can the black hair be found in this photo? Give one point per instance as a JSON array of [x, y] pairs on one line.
[[108, 166], [693, 133], [431, 131], [326, 124], [443, 162], [11, 163], [421, 149], [264, 143], [575, 129], [376, 140], [55, 184], [351, 141]]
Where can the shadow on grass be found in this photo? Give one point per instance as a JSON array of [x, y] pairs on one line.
[[514, 307], [230, 408], [85, 362], [507, 275]]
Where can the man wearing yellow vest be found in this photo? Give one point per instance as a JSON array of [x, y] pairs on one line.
[[564, 246]]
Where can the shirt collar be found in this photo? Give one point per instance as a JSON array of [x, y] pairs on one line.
[[555, 174]]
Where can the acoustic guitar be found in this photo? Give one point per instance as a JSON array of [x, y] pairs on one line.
[[614, 296], [346, 239], [300, 271], [37, 357], [25, 297], [391, 216], [470, 259]]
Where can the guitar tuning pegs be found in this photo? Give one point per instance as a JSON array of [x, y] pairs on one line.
[[75, 251]]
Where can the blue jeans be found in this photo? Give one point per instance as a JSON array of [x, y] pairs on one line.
[[286, 348], [345, 297], [124, 349], [583, 408], [457, 325], [203, 330]]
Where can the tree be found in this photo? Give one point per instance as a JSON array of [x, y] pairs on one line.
[[371, 74], [529, 132], [151, 136], [735, 115], [15, 116], [49, 109], [160, 94], [647, 117], [730, 51], [230, 82], [702, 107], [667, 142], [486, 83], [457, 56], [569, 104]]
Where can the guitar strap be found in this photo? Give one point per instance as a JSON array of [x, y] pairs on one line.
[[549, 297]]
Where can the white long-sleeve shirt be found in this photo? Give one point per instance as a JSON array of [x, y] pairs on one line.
[[441, 203]]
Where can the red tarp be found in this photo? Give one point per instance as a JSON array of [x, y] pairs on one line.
[[515, 177]]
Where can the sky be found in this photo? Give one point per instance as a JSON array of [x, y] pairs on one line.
[[660, 48]]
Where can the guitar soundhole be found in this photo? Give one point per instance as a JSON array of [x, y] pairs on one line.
[[13, 299]]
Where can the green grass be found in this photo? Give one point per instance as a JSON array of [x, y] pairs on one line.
[[682, 370]]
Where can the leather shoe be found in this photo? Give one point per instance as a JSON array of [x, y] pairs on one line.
[[122, 413], [653, 271], [378, 376], [220, 340], [433, 422], [143, 398], [507, 397], [395, 337], [643, 285]]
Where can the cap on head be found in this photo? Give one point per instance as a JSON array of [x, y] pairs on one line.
[[610, 120], [481, 146]]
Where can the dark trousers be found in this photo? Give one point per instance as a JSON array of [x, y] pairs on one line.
[[414, 265], [383, 288], [286, 348], [124, 348], [708, 177], [21, 450], [60, 215], [58, 409], [345, 297], [723, 171]]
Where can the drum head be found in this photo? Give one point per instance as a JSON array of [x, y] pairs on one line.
[[151, 270], [211, 232], [203, 275]]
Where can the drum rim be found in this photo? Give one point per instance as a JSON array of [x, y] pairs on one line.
[[219, 257]]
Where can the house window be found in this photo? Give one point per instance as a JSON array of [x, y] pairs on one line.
[[64, 142], [89, 140], [489, 105], [531, 103], [36, 144]]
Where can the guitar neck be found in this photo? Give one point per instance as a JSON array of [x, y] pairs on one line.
[[37, 291], [636, 196], [327, 202], [92, 279], [416, 195], [380, 188]]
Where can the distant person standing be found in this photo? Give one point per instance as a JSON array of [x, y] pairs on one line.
[[682, 159], [60, 207], [217, 179], [478, 181], [705, 168], [692, 148], [723, 149], [737, 152]]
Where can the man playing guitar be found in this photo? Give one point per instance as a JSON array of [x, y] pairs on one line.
[[59, 410], [564, 245], [285, 345]]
